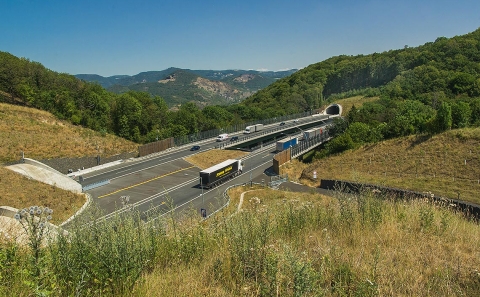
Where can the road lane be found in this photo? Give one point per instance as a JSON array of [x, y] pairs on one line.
[[166, 182]]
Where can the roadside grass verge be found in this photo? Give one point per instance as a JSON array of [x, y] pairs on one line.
[[211, 157]]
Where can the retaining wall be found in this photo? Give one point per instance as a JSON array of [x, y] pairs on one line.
[[470, 209], [64, 164]]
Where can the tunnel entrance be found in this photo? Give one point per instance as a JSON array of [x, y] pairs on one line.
[[334, 109]]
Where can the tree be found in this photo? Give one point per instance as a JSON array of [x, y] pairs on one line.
[[461, 113], [339, 126], [362, 133], [475, 109], [340, 144], [443, 120]]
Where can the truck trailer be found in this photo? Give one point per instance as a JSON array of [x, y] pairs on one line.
[[312, 133], [253, 128], [285, 144], [219, 173]]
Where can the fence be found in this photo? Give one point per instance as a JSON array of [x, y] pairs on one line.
[[280, 159], [155, 147], [306, 145], [181, 140]]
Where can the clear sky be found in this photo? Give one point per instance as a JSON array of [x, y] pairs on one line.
[[109, 37]]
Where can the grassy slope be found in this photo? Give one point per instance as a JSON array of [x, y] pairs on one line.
[[447, 164], [41, 136]]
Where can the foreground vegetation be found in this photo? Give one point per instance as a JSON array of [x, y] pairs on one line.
[[279, 244]]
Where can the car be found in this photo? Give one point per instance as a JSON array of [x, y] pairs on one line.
[[295, 120], [234, 138], [195, 148], [282, 123]]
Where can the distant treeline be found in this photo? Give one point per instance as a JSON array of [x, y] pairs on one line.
[[423, 89]]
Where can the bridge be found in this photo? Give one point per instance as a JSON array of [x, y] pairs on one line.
[[293, 129]]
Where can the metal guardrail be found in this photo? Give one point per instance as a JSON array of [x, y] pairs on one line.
[[181, 140], [305, 145], [95, 185], [266, 131]]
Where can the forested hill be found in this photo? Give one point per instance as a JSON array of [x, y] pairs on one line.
[[428, 88], [204, 87], [444, 69], [133, 115]]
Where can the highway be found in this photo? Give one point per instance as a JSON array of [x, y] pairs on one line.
[[164, 181]]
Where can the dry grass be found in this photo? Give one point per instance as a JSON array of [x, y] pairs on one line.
[[403, 255], [211, 157], [447, 164], [40, 135], [347, 103], [20, 192]]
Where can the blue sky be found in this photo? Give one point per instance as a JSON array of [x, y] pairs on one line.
[[128, 37]]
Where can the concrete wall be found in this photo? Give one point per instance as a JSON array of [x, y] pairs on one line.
[[64, 164]]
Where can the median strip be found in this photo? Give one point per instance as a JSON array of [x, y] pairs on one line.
[[147, 181]]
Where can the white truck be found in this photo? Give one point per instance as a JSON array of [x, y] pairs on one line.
[[253, 128], [222, 137]]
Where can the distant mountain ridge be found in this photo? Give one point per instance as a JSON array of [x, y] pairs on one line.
[[204, 87]]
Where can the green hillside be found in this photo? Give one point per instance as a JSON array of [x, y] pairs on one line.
[[445, 69]]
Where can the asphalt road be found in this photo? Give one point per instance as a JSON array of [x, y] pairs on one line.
[[164, 182]]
